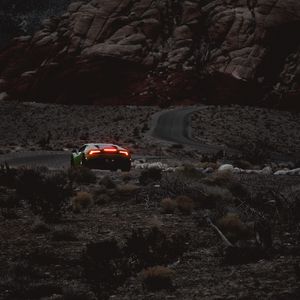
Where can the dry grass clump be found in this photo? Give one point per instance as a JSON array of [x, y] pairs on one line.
[[222, 178], [168, 205], [63, 234], [127, 189], [184, 204], [39, 226], [213, 195], [81, 200], [233, 227], [157, 277], [107, 182], [81, 175]]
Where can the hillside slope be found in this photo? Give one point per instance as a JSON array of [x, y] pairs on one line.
[[160, 52]]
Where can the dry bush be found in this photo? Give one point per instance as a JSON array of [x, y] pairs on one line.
[[45, 193], [190, 171], [232, 226], [81, 200], [168, 205], [214, 195], [127, 189], [227, 180], [107, 182], [63, 234], [150, 175], [75, 291], [39, 226], [157, 277], [81, 175], [102, 199], [184, 204]]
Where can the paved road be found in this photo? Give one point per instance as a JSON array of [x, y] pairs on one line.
[[173, 126]]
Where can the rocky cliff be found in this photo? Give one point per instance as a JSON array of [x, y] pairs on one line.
[[160, 51], [22, 17]]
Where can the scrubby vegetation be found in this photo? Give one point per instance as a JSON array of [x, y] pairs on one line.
[[81, 200], [157, 277], [155, 235], [46, 194]]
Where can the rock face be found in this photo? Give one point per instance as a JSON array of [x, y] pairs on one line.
[[160, 51], [22, 17]]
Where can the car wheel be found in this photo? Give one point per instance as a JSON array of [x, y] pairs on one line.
[[126, 167], [72, 161]]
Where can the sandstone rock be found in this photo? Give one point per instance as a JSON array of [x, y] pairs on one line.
[[103, 50], [244, 51]]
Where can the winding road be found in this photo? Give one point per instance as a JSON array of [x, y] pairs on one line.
[[168, 125], [174, 126]]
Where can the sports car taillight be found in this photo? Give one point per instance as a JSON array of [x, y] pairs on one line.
[[111, 150], [92, 152], [124, 152]]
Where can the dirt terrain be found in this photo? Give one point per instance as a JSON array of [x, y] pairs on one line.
[[238, 128], [28, 126], [81, 234], [50, 260]]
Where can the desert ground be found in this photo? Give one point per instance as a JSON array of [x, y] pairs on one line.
[[148, 233]]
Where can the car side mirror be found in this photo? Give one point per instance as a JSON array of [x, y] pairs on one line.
[[74, 151]]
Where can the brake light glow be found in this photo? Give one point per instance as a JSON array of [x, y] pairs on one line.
[[92, 152], [124, 152], [110, 150]]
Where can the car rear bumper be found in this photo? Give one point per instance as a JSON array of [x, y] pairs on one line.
[[107, 163]]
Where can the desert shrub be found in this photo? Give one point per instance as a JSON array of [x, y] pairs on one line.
[[184, 204], [37, 290], [107, 265], [39, 226], [220, 178], [81, 175], [127, 189], [232, 226], [107, 182], [150, 175], [104, 266], [81, 200], [168, 205], [8, 176], [8, 204], [190, 171], [126, 178], [227, 180], [77, 292], [22, 271], [213, 195], [255, 152], [153, 247], [44, 255], [102, 199], [63, 234], [157, 277], [46, 194]]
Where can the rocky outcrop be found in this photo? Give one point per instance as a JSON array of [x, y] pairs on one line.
[[150, 51], [23, 17]]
